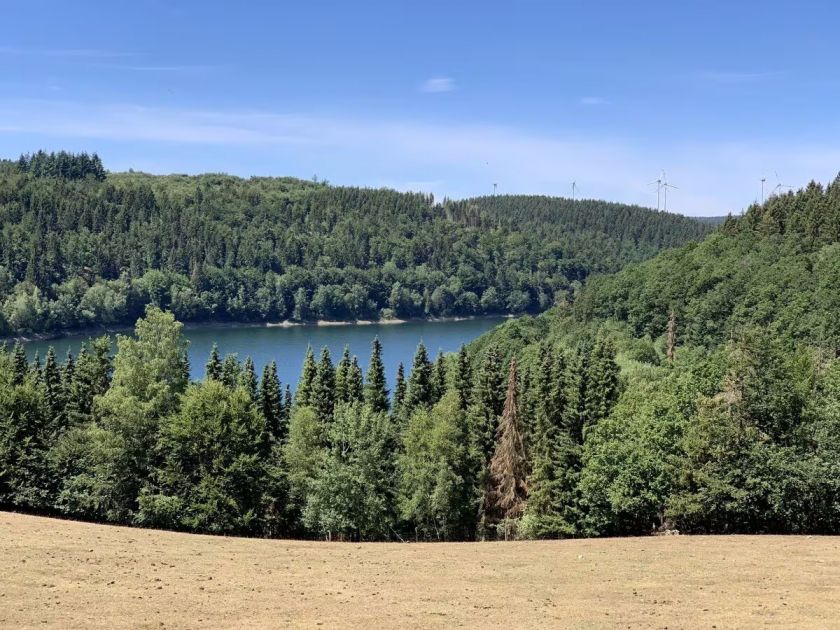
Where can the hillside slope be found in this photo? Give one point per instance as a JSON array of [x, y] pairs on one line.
[[79, 247], [66, 574]]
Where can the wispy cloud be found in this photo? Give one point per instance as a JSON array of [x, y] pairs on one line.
[[736, 78], [438, 84], [594, 100], [456, 159]]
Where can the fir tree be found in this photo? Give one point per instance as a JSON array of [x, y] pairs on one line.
[[231, 371], [376, 393], [303, 394], [507, 488], [323, 388], [342, 376], [487, 403], [53, 391], [355, 382], [20, 367], [439, 378], [463, 379], [213, 369], [35, 367], [419, 392], [248, 379], [271, 403], [288, 403], [399, 390], [603, 383]]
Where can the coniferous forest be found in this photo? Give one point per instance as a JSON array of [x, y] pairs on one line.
[[80, 247], [697, 391]]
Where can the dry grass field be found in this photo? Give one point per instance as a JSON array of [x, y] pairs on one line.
[[60, 574]]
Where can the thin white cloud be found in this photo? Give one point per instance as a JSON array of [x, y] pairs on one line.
[[594, 100], [437, 85], [453, 160]]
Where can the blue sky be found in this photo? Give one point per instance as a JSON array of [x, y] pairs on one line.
[[444, 97]]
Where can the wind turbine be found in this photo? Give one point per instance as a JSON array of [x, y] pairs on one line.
[[763, 179], [574, 188], [658, 182], [780, 185], [494, 188], [665, 187]]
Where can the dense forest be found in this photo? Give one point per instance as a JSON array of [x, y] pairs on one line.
[[696, 391], [81, 247]]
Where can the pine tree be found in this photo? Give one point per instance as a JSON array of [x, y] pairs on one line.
[[35, 367], [576, 411], [603, 382], [376, 392], [288, 403], [487, 403], [419, 392], [355, 383], [248, 379], [507, 488], [342, 376], [323, 388], [550, 512], [399, 390], [20, 366], [439, 378], [213, 369], [271, 403], [463, 379], [303, 394], [231, 371], [53, 394]]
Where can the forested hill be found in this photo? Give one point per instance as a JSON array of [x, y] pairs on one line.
[[80, 247], [723, 412], [777, 267]]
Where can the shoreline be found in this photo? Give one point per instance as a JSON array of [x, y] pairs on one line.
[[97, 331]]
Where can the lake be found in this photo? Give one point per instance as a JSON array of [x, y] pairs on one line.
[[287, 346]]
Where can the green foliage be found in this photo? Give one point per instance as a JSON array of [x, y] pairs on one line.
[[84, 247]]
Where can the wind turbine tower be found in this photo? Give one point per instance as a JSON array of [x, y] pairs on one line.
[[665, 187]]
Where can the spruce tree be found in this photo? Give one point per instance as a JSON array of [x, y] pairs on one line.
[[288, 403], [35, 366], [355, 383], [376, 392], [53, 394], [603, 382], [342, 376], [271, 403], [463, 379], [507, 488], [303, 394], [439, 378], [248, 379], [231, 371], [323, 388], [213, 369], [399, 390], [420, 389], [487, 403], [20, 367]]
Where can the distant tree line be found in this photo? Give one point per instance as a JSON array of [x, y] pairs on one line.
[[81, 248]]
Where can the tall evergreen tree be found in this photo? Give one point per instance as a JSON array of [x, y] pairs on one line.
[[487, 403], [603, 382], [507, 490], [376, 392], [248, 379], [213, 369], [20, 366], [463, 378], [303, 393], [53, 391], [271, 403], [419, 392], [399, 390], [323, 388], [231, 371], [342, 377], [439, 378], [288, 403], [355, 383]]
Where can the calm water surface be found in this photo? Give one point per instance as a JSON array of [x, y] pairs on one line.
[[287, 346]]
